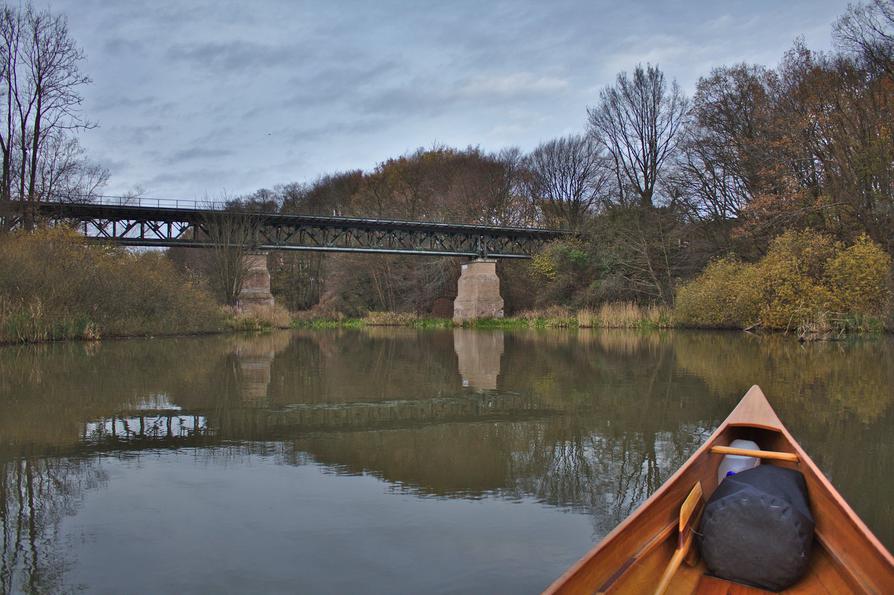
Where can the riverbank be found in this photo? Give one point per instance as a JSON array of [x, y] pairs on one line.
[[619, 315], [55, 286], [608, 316], [29, 325]]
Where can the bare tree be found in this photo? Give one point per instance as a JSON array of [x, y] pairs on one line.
[[233, 235], [64, 172], [638, 120], [567, 177], [868, 30], [40, 81], [9, 34], [726, 155]]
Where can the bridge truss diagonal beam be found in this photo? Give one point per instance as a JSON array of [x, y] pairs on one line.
[[136, 225]]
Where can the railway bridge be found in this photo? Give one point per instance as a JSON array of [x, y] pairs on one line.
[[169, 223]]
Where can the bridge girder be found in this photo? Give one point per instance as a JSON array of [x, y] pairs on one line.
[[136, 225]]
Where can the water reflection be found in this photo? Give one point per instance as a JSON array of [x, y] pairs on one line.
[[590, 422], [35, 494], [478, 354], [254, 359], [142, 428]]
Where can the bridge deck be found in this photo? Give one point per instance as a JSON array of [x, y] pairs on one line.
[[136, 223]]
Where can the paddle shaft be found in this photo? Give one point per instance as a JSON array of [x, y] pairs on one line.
[[690, 513], [758, 454], [674, 564]]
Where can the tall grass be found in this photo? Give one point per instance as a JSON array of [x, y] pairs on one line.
[[390, 319], [258, 318], [54, 285], [626, 315], [610, 315], [22, 322], [402, 319]]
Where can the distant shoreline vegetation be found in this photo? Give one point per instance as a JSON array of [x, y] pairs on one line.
[[54, 285], [807, 283]]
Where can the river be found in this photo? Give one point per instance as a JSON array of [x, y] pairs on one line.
[[389, 460]]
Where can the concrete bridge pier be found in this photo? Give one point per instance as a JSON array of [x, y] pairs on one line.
[[255, 292], [478, 292]]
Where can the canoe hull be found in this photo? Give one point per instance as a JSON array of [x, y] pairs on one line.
[[848, 559]]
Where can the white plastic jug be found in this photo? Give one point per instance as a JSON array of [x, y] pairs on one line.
[[732, 464]]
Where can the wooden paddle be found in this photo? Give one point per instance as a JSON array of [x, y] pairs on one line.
[[690, 513]]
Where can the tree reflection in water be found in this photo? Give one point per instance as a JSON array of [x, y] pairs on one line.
[[35, 494], [587, 421]]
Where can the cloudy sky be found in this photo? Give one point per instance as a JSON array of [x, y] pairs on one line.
[[197, 98]]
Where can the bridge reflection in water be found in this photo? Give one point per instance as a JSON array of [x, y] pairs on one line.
[[479, 353], [591, 422], [259, 413]]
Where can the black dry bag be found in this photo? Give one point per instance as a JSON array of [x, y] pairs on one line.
[[757, 528]]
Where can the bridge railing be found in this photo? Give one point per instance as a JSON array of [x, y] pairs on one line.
[[272, 209], [141, 201]]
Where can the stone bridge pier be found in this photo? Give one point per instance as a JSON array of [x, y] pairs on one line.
[[478, 292], [255, 292]]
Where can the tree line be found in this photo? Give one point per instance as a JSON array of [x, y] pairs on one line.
[[657, 183]]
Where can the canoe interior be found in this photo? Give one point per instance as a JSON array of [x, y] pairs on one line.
[[822, 577], [846, 557]]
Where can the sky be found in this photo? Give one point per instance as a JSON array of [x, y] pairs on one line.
[[199, 99]]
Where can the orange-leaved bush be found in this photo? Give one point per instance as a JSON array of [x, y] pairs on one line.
[[804, 277], [725, 295], [56, 285]]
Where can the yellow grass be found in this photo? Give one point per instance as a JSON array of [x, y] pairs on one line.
[[626, 315]]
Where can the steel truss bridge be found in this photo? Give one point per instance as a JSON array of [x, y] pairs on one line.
[[168, 223]]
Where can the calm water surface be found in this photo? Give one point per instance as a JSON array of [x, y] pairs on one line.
[[389, 460]]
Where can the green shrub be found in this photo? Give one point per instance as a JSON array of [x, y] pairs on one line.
[[725, 295], [791, 278], [859, 277], [806, 280], [561, 271]]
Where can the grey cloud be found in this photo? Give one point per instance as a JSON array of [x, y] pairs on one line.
[[215, 136], [333, 130], [136, 135], [118, 45], [188, 176], [159, 108], [340, 84], [234, 56], [197, 153], [218, 181], [114, 165], [432, 97], [326, 87], [121, 102], [195, 95]]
